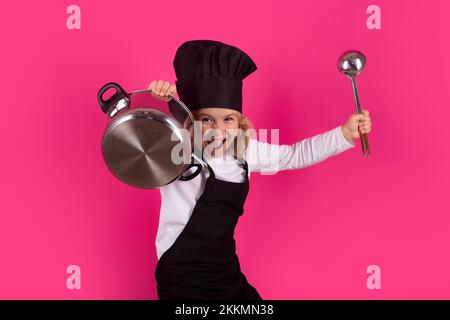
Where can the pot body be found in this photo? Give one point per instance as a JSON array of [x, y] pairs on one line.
[[145, 144]]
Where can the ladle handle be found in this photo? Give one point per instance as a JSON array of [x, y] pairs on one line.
[[363, 136], [364, 144]]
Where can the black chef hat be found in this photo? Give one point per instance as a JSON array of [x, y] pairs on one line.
[[210, 73]]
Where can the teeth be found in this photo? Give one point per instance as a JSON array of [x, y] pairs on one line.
[[222, 142]]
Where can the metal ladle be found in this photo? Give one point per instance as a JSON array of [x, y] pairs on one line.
[[351, 63]]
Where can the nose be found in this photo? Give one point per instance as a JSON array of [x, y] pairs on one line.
[[220, 127]]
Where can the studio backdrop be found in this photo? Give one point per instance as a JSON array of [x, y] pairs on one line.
[[346, 228]]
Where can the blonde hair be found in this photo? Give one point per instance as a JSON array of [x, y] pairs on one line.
[[244, 124]]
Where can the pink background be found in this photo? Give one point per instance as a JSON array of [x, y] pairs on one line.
[[305, 234]]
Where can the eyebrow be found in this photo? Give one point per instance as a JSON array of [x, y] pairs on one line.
[[205, 114]]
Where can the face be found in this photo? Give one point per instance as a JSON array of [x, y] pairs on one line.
[[219, 128]]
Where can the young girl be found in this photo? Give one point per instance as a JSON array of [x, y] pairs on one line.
[[195, 241]]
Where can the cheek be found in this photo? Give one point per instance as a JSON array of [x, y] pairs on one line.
[[205, 127], [232, 129]]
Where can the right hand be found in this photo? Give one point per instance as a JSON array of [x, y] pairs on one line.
[[162, 89], [356, 123]]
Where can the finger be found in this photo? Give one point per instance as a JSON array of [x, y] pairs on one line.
[[364, 126], [152, 85], [358, 116], [164, 88], [363, 118], [172, 89], [159, 85], [365, 111]]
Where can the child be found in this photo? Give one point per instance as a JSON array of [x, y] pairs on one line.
[[195, 244]]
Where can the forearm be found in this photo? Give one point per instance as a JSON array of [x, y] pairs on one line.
[[306, 152], [347, 134], [320, 147]]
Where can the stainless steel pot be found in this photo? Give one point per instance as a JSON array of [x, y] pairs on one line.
[[145, 144]]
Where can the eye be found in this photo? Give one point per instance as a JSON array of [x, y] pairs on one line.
[[205, 120], [229, 119]]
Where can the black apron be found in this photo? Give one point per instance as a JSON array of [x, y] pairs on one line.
[[202, 263]]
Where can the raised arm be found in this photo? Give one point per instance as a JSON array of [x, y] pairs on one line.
[[269, 158]]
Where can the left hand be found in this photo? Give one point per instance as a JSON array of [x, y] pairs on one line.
[[357, 121], [162, 89]]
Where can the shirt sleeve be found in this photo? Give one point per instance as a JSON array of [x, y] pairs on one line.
[[269, 158]]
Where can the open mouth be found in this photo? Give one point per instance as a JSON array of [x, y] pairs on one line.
[[217, 144]]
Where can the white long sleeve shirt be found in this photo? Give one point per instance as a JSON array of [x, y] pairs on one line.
[[179, 197]]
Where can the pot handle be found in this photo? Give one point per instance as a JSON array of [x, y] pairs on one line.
[[120, 94], [194, 174]]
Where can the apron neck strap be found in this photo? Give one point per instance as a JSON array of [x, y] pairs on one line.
[[241, 162]]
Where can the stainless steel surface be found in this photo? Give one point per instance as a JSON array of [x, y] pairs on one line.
[[138, 144], [116, 107], [351, 63], [137, 148]]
